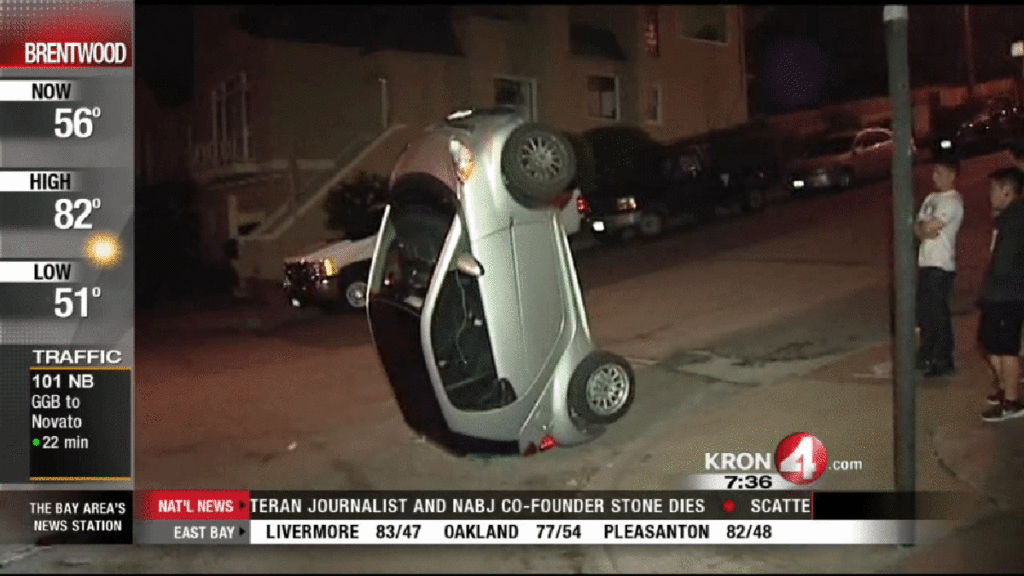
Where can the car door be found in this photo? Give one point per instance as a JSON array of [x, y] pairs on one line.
[[686, 187], [884, 150], [870, 154]]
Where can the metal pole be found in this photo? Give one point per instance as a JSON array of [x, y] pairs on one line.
[[969, 49], [903, 251]]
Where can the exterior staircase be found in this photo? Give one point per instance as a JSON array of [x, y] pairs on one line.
[[300, 220]]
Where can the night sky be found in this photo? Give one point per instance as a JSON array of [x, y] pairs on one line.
[[840, 51], [163, 50]]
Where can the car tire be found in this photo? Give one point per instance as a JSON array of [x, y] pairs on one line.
[[353, 288], [754, 199], [602, 388], [537, 164], [652, 224]]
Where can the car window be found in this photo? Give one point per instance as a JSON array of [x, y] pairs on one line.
[[832, 146], [689, 163], [868, 139]]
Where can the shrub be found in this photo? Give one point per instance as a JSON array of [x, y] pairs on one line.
[[351, 205]]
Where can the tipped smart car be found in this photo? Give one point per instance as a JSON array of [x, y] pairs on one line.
[[474, 303]]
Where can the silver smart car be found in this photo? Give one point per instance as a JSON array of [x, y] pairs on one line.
[[474, 304]]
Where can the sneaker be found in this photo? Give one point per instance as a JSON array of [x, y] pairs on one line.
[[996, 398], [1004, 411]]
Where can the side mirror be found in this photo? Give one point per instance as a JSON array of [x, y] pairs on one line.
[[469, 266]]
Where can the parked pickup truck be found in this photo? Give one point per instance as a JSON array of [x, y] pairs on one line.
[[334, 272]]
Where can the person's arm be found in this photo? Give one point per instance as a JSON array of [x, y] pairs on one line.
[[919, 223]]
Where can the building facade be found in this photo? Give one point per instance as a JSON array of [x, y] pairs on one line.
[[277, 118]]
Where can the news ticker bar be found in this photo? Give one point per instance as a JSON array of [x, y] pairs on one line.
[[527, 517]]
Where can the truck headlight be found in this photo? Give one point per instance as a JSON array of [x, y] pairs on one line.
[[330, 267], [627, 203]]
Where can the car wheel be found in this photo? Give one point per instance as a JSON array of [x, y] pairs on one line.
[[754, 199], [538, 164], [652, 224], [353, 287], [602, 388]]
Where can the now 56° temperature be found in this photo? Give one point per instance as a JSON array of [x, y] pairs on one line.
[[77, 122]]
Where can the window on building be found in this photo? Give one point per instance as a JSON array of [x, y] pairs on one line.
[[603, 97], [703, 22], [516, 92], [652, 105], [232, 110]]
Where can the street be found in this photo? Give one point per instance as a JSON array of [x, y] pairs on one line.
[[716, 320]]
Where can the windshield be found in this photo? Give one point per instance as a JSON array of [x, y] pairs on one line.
[[830, 146]]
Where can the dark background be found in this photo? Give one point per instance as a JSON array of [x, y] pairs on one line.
[[798, 56]]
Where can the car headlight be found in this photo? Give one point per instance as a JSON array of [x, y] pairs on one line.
[[627, 203], [798, 183], [946, 144], [330, 267], [462, 158]]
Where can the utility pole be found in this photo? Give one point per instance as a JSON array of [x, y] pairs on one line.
[[969, 49], [904, 265]]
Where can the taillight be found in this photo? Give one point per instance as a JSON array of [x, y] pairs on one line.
[[547, 443], [581, 205]]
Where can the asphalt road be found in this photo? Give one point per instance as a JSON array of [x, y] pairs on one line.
[[306, 406]]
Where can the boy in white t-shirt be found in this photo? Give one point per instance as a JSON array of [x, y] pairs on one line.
[[938, 223]]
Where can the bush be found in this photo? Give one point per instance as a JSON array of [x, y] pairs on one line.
[[351, 205]]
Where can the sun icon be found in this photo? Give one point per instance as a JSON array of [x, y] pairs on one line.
[[103, 250]]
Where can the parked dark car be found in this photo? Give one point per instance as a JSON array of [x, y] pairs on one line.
[[682, 179], [976, 128]]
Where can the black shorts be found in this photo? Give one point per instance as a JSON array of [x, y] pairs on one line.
[[1000, 327]]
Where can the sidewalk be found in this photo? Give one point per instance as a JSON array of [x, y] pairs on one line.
[[847, 403]]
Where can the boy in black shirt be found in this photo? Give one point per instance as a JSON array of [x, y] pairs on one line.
[[1002, 299]]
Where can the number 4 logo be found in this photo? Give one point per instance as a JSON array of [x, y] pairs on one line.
[[801, 458]]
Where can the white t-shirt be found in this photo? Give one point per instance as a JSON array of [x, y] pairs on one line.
[[940, 252]]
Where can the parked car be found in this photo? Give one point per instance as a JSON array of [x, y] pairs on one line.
[[976, 127], [677, 180], [839, 161], [474, 306]]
